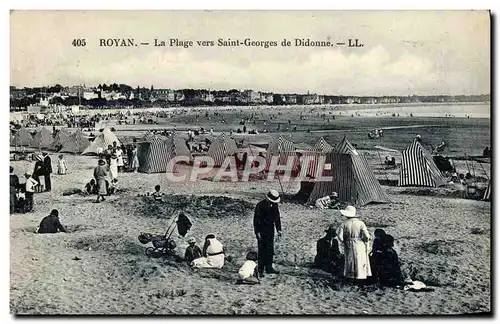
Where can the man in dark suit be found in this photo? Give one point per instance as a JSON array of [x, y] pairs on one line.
[[266, 218], [47, 163]]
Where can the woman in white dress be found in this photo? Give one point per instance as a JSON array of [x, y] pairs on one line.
[[113, 166], [119, 158], [213, 253], [355, 237]]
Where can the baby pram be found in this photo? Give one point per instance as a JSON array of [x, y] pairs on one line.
[[164, 244]]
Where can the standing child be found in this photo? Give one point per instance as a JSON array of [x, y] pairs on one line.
[[248, 273], [61, 169], [29, 192]]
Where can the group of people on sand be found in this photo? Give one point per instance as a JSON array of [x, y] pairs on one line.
[[358, 264]]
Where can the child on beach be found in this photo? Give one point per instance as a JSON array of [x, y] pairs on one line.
[[248, 273], [157, 195], [193, 251], [61, 167]]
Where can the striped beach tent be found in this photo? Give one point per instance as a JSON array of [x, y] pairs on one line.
[[179, 146], [43, 139], [22, 137], [77, 143], [418, 168], [149, 136], [321, 148], [352, 178], [154, 155], [221, 147], [61, 138], [105, 138], [281, 147], [487, 193]]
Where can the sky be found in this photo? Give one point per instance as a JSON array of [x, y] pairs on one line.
[[404, 52]]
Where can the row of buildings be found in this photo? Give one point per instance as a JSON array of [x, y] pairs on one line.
[[104, 95]]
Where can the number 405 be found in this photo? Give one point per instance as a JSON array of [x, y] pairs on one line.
[[78, 42]]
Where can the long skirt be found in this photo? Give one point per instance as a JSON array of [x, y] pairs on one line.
[[101, 187], [113, 169], [135, 162], [357, 261], [214, 261]]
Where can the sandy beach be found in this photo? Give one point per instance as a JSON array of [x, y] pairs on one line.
[[442, 240]]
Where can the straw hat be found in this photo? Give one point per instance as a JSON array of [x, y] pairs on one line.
[[39, 157], [349, 212], [334, 194], [273, 196], [191, 240]]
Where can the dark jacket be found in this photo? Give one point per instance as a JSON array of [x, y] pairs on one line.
[[266, 218], [327, 252], [51, 224], [14, 181], [192, 252], [47, 162], [39, 170]]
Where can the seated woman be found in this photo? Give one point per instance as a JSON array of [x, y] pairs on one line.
[[51, 224], [193, 252], [389, 272], [328, 257], [328, 202], [213, 252]]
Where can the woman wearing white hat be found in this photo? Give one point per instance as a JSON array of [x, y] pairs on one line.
[[354, 234]]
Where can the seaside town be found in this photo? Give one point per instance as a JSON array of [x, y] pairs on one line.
[[125, 96]]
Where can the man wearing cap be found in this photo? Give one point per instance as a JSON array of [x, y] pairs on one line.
[[266, 218], [355, 236]]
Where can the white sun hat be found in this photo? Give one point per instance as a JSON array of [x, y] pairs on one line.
[[349, 212]]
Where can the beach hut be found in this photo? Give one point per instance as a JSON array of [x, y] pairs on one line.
[[282, 148], [43, 139], [105, 138], [221, 147], [22, 137], [320, 149], [487, 193], [77, 143], [154, 155], [352, 178], [61, 138], [418, 168]]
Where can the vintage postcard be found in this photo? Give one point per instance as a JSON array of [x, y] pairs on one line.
[[250, 163]]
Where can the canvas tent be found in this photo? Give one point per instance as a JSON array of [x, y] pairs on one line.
[[77, 143], [43, 139], [418, 168], [352, 178], [105, 138], [321, 148], [282, 148], [221, 147], [154, 155], [61, 138], [487, 193], [22, 137]]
